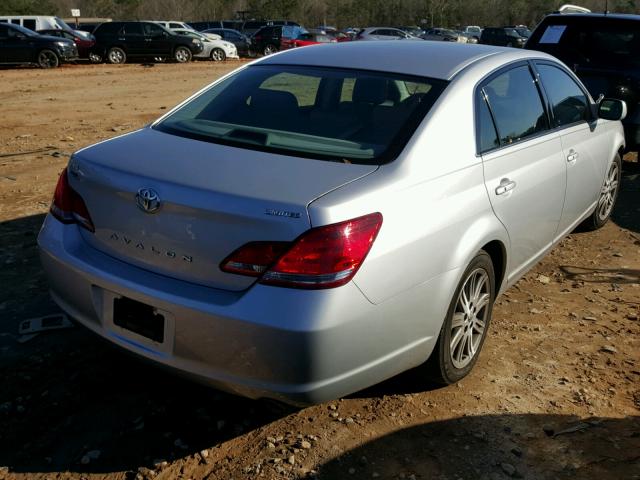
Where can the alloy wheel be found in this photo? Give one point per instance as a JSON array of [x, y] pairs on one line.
[[182, 55], [47, 59], [470, 318], [270, 49], [116, 56], [608, 193], [217, 55]]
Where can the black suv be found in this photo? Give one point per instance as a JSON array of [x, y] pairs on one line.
[[268, 39], [604, 51], [117, 41], [19, 45], [502, 36]]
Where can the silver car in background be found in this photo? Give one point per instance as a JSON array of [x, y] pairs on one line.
[[325, 218], [384, 33], [215, 48]]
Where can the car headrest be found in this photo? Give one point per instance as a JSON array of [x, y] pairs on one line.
[[370, 90], [274, 100]]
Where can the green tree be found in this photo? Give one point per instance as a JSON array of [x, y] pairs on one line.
[[27, 7]]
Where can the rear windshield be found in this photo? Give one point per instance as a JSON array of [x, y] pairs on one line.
[[340, 115]]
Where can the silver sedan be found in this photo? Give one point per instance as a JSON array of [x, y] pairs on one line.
[[323, 219]]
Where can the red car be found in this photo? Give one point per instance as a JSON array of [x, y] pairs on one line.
[[304, 40], [84, 42]]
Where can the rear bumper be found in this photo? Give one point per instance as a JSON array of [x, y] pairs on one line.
[[296, 346]]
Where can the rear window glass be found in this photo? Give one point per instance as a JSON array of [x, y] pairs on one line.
[[516, 105], [334, 114], [108, 28]]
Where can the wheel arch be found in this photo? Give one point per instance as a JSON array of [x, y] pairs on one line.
[[498, 253]]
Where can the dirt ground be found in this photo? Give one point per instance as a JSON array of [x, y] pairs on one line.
[[555, 395]]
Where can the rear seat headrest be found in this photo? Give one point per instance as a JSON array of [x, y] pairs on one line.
[[370, 90], [274, 100]]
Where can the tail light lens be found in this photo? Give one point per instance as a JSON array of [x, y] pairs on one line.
[[68, 206], [323, 257]]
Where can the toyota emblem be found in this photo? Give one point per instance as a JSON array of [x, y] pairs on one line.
[[148, 200]]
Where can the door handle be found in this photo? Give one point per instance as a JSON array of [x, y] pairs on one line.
[[572, 157], [505, 186], [148, 39]]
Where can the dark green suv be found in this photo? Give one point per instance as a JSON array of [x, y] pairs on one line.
[[19, 45], [118, 41], [603, 51]]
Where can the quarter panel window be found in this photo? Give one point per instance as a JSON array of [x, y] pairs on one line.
[[516, 105], [568, 102], [486, 129]]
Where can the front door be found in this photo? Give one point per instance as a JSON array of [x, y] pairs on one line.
[[157, 40], [584, 151], [524, 168]]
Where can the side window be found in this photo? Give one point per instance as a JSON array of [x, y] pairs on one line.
[[175, 25], [568, 102], [150, 30], [516, 105], [485, 128], [30, 24]]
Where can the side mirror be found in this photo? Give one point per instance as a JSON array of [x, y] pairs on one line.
[[612, 109]]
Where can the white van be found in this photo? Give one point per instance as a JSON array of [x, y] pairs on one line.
[[36, 22]]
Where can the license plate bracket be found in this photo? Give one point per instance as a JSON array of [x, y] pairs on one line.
[[139, 318]]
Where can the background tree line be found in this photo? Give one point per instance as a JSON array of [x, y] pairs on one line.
[[340, 13]]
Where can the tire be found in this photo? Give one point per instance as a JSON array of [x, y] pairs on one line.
[[218, 55], [607, 198], [269, 49], [455, 352], [48, 59], [116, 56], [182, 54], [95, 58]]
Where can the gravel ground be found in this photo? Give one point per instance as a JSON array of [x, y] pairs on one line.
[[555, 394]]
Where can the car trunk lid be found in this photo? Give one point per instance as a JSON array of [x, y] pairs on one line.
[[212, 199]]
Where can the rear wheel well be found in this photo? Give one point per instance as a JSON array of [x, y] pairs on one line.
[[498, 255]]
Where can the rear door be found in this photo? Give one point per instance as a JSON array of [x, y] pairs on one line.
[[134, 39], [585, 148], [525, 171]]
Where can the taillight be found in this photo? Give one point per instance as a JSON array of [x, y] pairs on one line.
[[68, 206], [323, 257]]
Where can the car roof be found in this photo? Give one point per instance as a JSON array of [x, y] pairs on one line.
[[617, 16], [442, 60]]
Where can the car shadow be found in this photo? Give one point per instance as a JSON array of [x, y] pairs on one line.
[[488, 447], [67, 392], [626, 213]]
